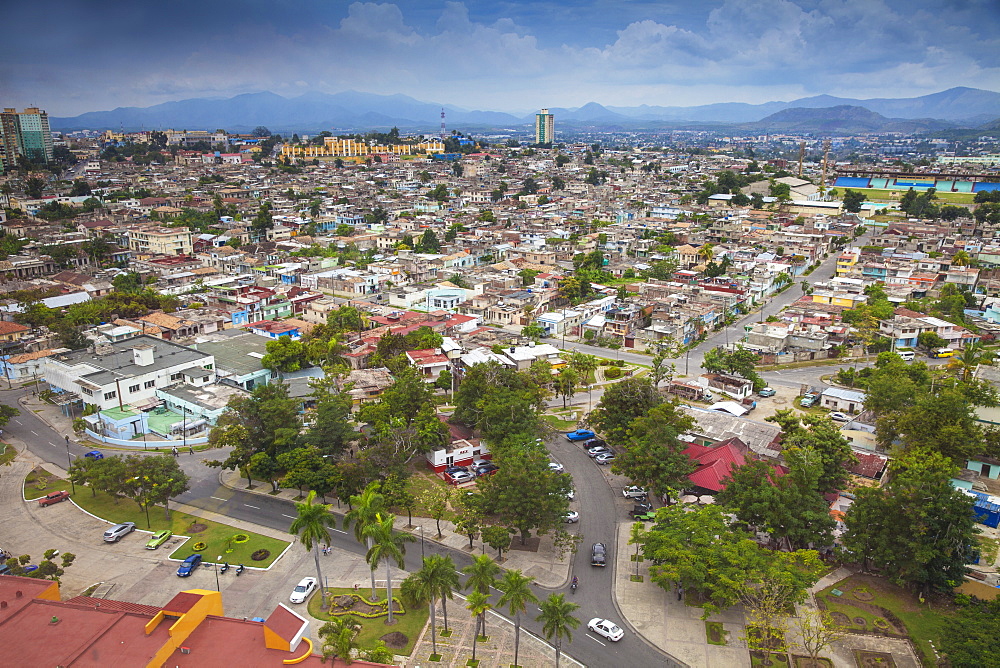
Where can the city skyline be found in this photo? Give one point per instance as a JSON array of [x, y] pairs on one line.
[[514, 57]]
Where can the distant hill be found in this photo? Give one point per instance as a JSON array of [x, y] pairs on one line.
[[843, 119], [353, 110]]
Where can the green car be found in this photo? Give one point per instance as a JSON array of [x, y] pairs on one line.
[[158, 539]]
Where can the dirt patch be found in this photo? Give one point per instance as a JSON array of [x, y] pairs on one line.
[[869, 659], [840, 619], [862, 594], [195, 528], [395, 640], [530, 545]]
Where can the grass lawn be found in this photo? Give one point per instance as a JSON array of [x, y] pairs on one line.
[[410, 623], [559, 424], [878, 194], [924, 621], [8, 454], [715, 633], [768, 659], [215, 535], [421, 481], [38, 483]]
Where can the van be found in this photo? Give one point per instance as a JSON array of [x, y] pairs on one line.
[[943, 352], [906, 355]]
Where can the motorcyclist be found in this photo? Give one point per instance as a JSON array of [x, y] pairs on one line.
[[574, 582]]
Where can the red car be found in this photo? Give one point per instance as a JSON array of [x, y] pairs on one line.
[[54, 497]]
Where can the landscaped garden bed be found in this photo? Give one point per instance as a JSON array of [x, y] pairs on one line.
[[371, 615]]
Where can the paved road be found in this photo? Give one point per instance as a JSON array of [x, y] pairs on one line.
[[594, 497]]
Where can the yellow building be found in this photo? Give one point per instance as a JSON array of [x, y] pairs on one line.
[[846, 262], [346, 147], [160, 240]]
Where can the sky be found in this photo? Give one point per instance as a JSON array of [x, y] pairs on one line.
[[69, 57]]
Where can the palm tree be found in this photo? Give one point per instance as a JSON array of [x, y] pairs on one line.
[[338, 638], [364, 508], [478, 603], [517, 595], [419, 589], [386, 545], [311, 528], [482, 574], [447, 583], [961, 259], [706, 253], [557, 619], [972, 356]]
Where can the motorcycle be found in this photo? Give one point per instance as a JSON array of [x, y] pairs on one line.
[[225, 567], [240, 569], [573, 585]]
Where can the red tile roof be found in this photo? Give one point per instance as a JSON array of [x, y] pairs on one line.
[[714, 464]]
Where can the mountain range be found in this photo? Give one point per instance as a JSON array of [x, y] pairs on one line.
[[352, 110]]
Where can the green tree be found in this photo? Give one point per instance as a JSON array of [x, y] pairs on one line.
[[337, 638], [498, 537], [386, 545], [284, 354], [622, 403], [525, 493], [653, 453], [824, 439], [6, 413], [311, 526], [558, 620], [917, 528], [154, 480], [482, 577], [853, 199], [34, 187], [437, 578], [428, 243], [47, 569], [478, 605], [435, 501], [566, 383], [331, 430], [969, 638], [265, 421], [366, 509], [517, 596]]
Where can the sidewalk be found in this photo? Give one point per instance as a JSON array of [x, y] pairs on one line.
[[671, 624], [545, 566]]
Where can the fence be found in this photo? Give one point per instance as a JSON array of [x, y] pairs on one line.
[[127, 443]]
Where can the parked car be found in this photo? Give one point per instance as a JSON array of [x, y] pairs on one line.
[[598, 450], [634, 492], [808, 399], [557, 467], [642, 505], [606, 628], [115, 533], [302, 590], [188, 565], [571, 517], [589, 443], [840, 417], [459, 477], [642, 513], [605, 458], [456, 469], [53, 497], [599, 555], [580, 435], [158, 539], [94, 454], [766, 392], [487, 469]]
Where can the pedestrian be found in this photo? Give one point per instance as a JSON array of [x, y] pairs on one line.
[[175, 451], [191, 449], [680, 593], [67, 440]]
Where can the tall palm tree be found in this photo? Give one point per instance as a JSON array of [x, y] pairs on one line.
[[478, 603], [364, 508], [961, 259], [338, 638], [311, 527], [557, 619], [482, 572], [447, 583], [706, 253], [419, 588], [387, 545], [517, 595]]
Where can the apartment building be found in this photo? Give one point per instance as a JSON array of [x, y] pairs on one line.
[[158, 240]]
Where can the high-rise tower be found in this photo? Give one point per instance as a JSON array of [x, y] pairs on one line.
[[545, 127], [26, 133]]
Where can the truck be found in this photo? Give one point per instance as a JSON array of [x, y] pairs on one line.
[[809, 399]]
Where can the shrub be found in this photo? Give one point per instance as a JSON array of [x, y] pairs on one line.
[[198, 547], [241, 538], [612, 373], [260, 555]]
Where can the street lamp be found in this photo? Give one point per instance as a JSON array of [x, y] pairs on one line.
[[421, 542], [217, 560], [69, 463]]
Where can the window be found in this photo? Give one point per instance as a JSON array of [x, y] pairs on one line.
[[86, 391], [150, 384], [209, 366], [133, 388], [110, 395], [176, 376]]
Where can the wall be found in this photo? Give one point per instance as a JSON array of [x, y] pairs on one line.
[[191, 440]]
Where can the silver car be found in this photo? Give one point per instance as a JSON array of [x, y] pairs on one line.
[[115, 533]]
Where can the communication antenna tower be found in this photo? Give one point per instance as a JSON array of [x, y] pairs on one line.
[[442, 124], [826, 156], [802, 155]]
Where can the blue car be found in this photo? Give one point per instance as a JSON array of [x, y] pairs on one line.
[[580, 435], [188, 565], [94, 454]]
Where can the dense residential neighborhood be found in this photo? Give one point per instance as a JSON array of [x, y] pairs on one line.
[[653, 353]]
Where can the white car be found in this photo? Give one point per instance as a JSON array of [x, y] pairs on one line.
[[302, 590], [606, 628], [839, 417], [571, 517], [556, 466], [634, 492]]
